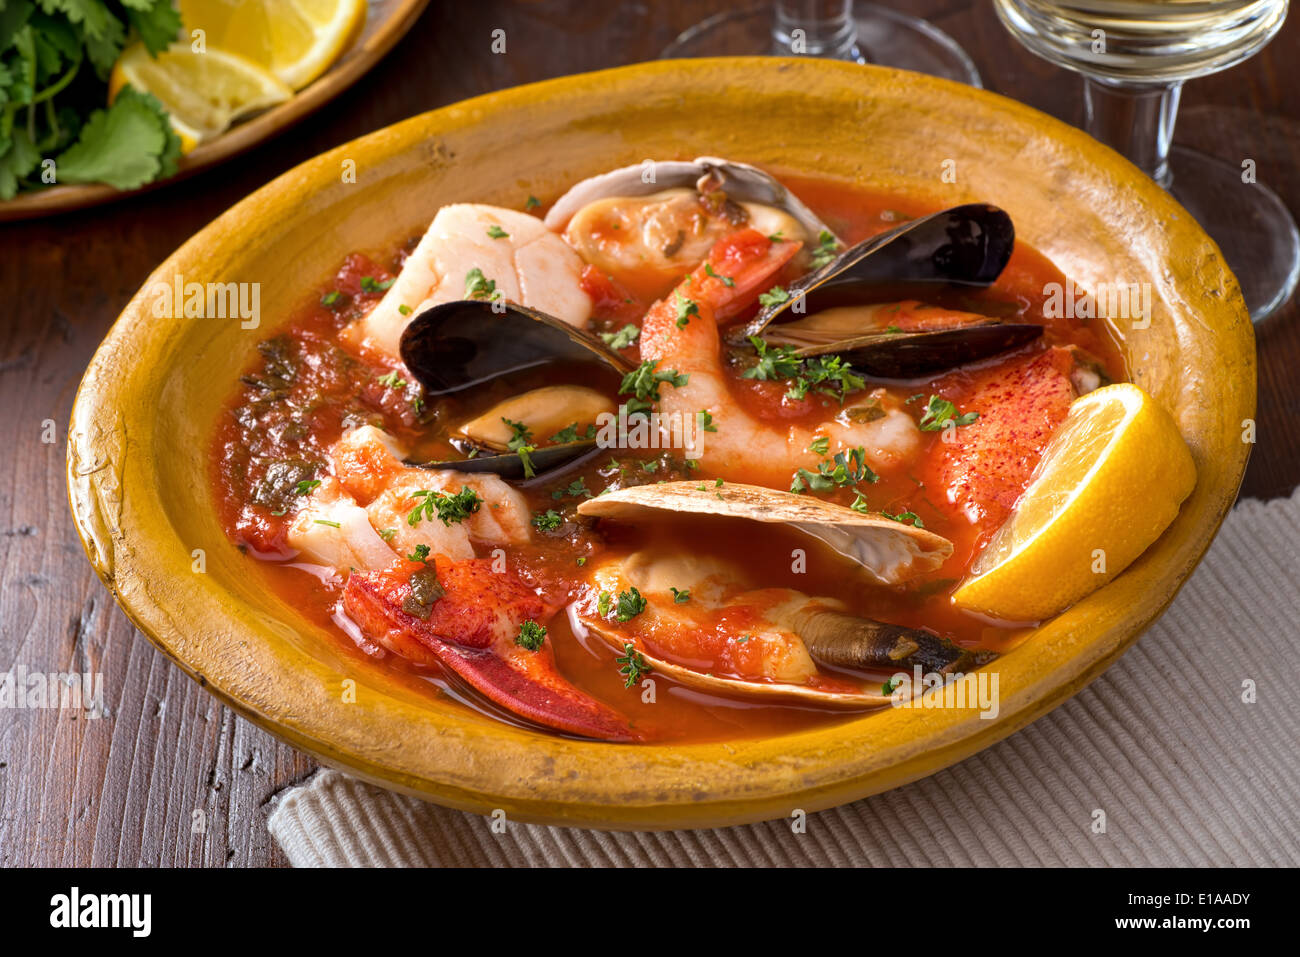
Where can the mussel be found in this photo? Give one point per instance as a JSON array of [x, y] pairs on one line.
[[835, 309], [461, 344], [888, 551]]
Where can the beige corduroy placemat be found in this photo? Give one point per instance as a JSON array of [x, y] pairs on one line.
[[1185, 770]]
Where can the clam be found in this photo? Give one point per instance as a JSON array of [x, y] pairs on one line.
[[457, 345], [739, 182], [646, 225], [836, 310], [889, 552]]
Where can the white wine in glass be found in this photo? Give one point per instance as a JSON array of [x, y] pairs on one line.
[[1135, 56]]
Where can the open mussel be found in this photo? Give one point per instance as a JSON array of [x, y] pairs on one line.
[[836, 309], [457, 345]]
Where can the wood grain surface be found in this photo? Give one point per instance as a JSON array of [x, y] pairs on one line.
[[168, 776]]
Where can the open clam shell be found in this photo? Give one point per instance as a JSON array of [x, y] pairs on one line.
[[719, 684], [740, 181], [889, 552], [966, 246]]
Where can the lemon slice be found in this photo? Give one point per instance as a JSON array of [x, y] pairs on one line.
[[297, 40], [1110, 481], [202, 92]]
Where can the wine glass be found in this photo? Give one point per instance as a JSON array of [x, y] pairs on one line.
[[1135, 56], [838, 29]]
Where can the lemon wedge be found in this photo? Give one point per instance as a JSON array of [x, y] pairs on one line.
[[202, 92], [1109, 482], [297, 40]]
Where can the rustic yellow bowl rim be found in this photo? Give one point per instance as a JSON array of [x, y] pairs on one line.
[[141, 405]]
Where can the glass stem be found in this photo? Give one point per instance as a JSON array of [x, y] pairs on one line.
[[823, 28], [1136, 120]]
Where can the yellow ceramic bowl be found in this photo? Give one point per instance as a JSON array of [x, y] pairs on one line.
[[143, 420]]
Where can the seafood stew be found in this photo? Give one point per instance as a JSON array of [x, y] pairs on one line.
[[696, 462]]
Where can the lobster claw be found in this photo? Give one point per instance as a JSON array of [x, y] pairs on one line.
[[468, 618]]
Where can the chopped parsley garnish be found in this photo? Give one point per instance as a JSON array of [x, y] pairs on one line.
[[421, 554], [532, 202], [820, 445], [404, 309], [630, 604], [939, 412], [580, 560], [906, 518], [685, 309], [305, 486], [496, 232], [478, 286], [633, 665], [447, 508], [773, 297], [521, 443], [890, 686], [844, 470], [827, 375], [575, 488], [570, 434], [680, 597], [827, 246], [726, 280], [706, 421], [860, 504], [548, 520], [392, 380], [602, 603], [643, 383], [326, 521], [387, 534], [331, 298], [623, 338], [368, 284], [531, 635], [521, 435]]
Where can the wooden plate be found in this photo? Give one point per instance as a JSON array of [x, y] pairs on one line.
[[387, 22], [144, 416]]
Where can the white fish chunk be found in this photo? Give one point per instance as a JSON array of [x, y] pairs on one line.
[[529, 264]]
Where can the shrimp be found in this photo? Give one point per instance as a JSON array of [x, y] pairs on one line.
[[527, 263], [745, 448], [369, 465]]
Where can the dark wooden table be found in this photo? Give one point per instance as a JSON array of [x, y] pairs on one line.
[[126, 789]]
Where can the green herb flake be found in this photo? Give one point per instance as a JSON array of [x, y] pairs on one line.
[[623, 338], [368, 284], [547, 521], [531, 635], [633, 665]]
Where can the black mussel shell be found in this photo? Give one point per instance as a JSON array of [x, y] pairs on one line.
[[456, 345], [963, 246], [908, 355], [510, 465]]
